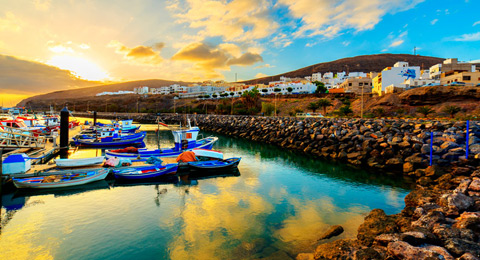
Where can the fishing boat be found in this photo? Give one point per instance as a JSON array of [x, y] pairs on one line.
[[81, 162], [145, 172], [61, 179], [105, 140], [125, 126], [214, 164], [184, 139]]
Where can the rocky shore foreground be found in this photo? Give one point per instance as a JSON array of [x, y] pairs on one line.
[[441, 218]]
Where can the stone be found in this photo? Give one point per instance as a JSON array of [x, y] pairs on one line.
[[339, 249], [376, 223], [367, 254], [385, 239], [394, 162], [332, 232], [408, 167], [474, 149], [468, 256], [475, 184], [463, 187], [433, 170], [458, 246], [468, 220], [430, 220], [414, 238], [441, 251], [403, 250], [459, 201], [305, 256]]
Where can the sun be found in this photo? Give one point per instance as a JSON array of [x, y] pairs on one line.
[[80, 67]]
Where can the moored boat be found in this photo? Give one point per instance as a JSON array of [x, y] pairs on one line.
[[81, 162], [113, 140], [214, 164], [145, 172], [61, 179]]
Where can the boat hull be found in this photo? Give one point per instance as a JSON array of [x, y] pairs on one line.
[[145, 172], [124, 142], [67, 163], [214, 165], [35, 182]]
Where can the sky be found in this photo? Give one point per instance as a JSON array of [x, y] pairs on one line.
[[51, 45]]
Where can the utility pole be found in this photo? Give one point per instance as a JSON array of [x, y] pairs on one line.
[[137, 104], [361, 109], [414, 50]]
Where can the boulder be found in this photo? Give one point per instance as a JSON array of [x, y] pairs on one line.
[[403, 250], [332, 232], [475, 184], [376, 223], [339, 249]]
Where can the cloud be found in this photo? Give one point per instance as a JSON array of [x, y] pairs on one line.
[[265, 66], [476, 23], [28, 77], [260, 75], [330, 18], [209, 58], [396, 43], [472, 37], [42, 5], [246, 59], [143, 55], [10, 23], [434, 21], [237, 20]]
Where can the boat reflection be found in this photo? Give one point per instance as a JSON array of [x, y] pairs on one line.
[[66, 191]]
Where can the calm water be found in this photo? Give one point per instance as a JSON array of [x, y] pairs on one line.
[[278, 206]]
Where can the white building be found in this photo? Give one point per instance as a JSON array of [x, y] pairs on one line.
[[394, 77], [316, 76], [141, 90]]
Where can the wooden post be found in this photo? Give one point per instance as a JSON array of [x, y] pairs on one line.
[[94, 118], [64, 117]]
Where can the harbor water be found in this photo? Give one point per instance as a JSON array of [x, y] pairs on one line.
[[277, 205]]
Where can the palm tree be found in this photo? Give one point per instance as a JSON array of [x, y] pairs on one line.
[[451, 110], [425, 110], [324, 103], [313, 106]]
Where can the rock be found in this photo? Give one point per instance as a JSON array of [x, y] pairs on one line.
[[458, 246], [368, 254], [459, 202], [394, 162], [403, 250], [424, 181], [339, 249], [408, 167], [377, 222], [332, 232], [433, 170], [468, 220], [414, 238], [441, 251], [468, 256], [463, 187], [475, 184], [429, 220], [475, 148], [305, 256], [385, 239]]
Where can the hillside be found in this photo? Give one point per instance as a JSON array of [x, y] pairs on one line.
[[364, 63], [92, 91]]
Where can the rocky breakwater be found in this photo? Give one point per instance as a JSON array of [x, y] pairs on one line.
[[441, 219], [391, 145]]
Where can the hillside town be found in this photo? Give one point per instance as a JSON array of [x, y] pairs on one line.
[[398, 78]]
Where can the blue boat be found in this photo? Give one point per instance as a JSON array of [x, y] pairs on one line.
[[145, 172], [106, 140], [185, 140], [214, 165], [125, 126]]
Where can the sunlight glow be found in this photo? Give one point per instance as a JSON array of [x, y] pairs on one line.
[[80, 67]]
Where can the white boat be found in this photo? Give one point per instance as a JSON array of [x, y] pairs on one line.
[[79, 162], [61, 179], [207, 153]]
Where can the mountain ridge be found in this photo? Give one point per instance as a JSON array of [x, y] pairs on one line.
[[362, 63]]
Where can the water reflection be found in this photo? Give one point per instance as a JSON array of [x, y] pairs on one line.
[[277, 207]]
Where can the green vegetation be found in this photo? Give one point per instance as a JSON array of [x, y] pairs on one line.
[[452, 110], [324, 103], [268, 108], [425, 110], [379, 111], [313, 106], [250, 99], [320, 87]]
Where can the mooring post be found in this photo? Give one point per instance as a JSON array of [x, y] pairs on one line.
[[94, 118], [431, 147], [64, 117], [1, 172], [468, 139]]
